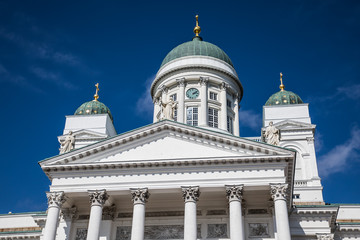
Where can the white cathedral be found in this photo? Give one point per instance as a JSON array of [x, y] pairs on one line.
[[188, 175]]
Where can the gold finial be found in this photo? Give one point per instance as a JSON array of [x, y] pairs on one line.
[[197, 28], [96, 96], [282, 87]]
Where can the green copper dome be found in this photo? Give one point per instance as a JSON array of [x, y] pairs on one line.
[[93, 107], [283, 98], [196, 47]]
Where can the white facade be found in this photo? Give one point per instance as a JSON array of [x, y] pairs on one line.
[[181, 180]]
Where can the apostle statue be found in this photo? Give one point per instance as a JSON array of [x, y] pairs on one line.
[[167, 109], [68, 144], [272, 135]]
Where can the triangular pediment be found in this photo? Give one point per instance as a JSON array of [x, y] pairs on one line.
[[292, 125], [166, 141], [86, 134]]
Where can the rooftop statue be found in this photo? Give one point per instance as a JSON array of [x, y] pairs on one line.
[[167, 109], [272, 135], [68, 144]]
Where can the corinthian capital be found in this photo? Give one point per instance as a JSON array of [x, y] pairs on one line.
[[278, 191], [191, 194], [139, 195], [328, 236], [234, 192], [181, 82], [204, 81], [55, 199], [69, 213], [224, 86], [98, 197]]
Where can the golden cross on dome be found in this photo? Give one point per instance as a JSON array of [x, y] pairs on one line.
[[282, 87], [96, 96], [197, 28]]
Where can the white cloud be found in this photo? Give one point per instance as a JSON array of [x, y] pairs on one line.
[[52, 77], [352, 92], [338, 159], [251, 119], [144, 105], [319, 141]]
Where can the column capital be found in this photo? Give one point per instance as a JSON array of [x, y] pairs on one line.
[[234, 192], [278, 191], [163, 89], [191, 193], [181, 82], [224, 86], [139, 195], [69, 214], [326, 236], [55, 199], [204, 81], [98, 197]]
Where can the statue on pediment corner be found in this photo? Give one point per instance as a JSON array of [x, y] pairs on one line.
[[68, 144], [272, 135]]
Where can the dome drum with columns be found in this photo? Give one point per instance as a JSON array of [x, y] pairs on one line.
[[201, 79]]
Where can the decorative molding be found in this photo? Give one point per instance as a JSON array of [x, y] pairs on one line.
[[191, 193], [181, 82], [98, 197], [139, 195], [203, 81], [109, 212], [234, 192], [55, 199], [326, 236], [279, 191], [310, 139]]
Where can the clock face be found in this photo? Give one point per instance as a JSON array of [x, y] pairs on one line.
[[192, 93]]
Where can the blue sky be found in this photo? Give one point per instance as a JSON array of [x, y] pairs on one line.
[[53, 52]]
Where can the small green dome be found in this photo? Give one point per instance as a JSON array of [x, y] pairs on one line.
[[283, 98], [196, 47], [93, 107]]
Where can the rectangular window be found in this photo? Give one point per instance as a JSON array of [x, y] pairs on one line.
[[192, 116], [230, 125], [213, 96], [213, 117], [174, 97], [228, 103]]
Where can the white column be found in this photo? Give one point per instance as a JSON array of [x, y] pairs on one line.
[[97, 200], [55, 200], [279, 193], [223, 112], [203, 117], [236, 120], [234, 194], [139, 198], [181, 100], [68, 214], [191, 196]]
